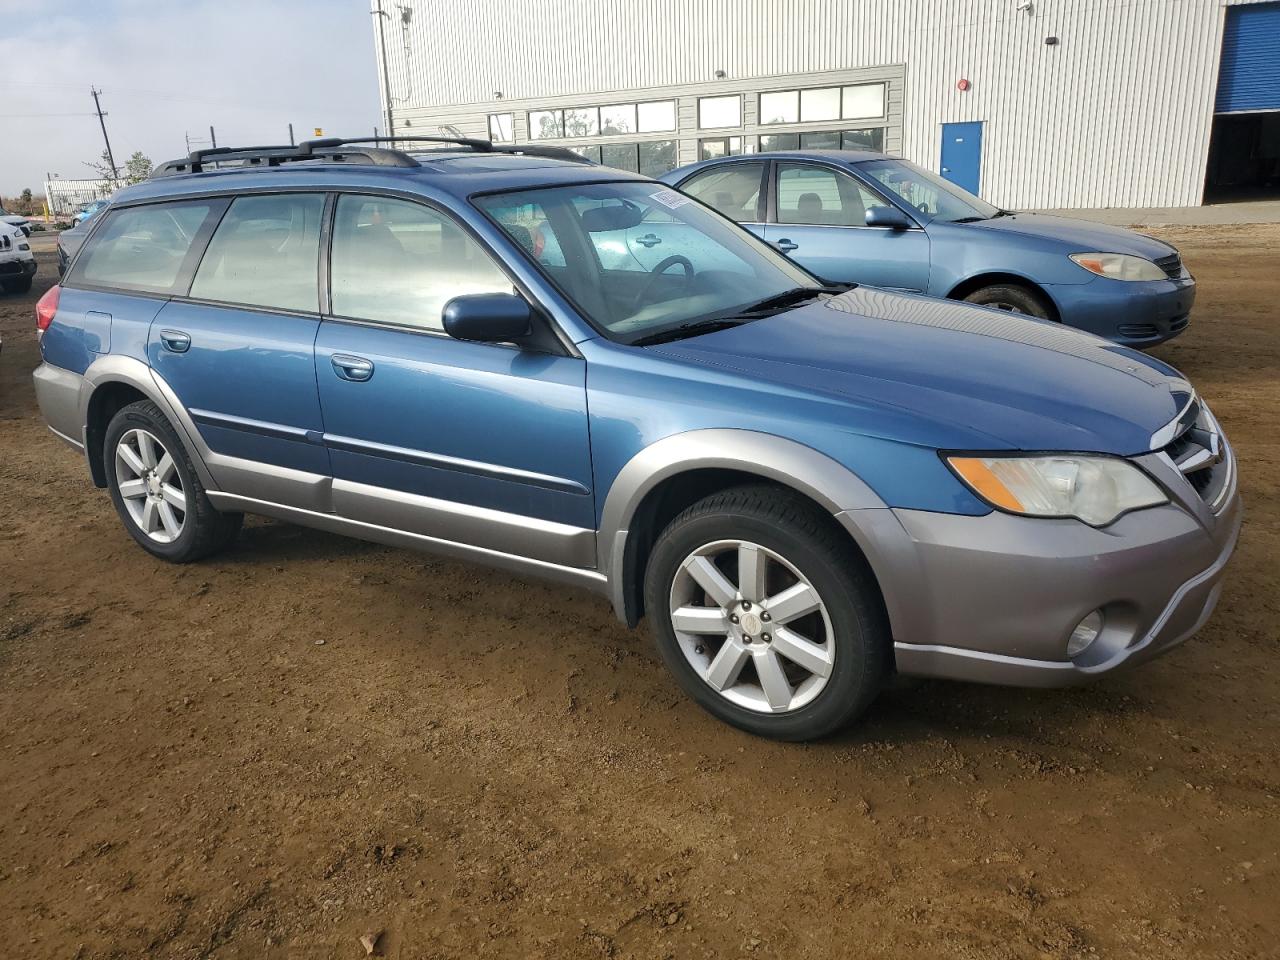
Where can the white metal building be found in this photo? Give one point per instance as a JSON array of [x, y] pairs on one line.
[[1047, 103]]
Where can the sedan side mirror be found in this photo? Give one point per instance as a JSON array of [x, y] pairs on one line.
[[890, 217], [488, 317]]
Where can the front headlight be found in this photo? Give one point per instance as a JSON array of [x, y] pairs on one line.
[[1096, 490], [1119, 266]]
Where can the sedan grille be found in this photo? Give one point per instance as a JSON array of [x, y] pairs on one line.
[[4, 241]]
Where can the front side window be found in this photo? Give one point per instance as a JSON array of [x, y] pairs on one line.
[[143, 248], [265, 253], [820, 196], [399, 263], [733, 189], [720, 112], [684, 264], [935, 198]]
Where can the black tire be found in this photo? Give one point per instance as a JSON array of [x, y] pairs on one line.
[[18, 286], [205, 530], [1013, 298], [803, 534]]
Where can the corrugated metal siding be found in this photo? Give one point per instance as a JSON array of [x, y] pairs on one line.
[[1250, 75], [1118, 113]]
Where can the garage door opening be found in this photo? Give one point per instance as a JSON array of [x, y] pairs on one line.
[[1244, 158]]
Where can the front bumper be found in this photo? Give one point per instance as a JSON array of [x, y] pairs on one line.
[[1133, 313], [16, 269], [997, 596]]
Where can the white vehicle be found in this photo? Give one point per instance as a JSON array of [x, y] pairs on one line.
[[13, 220], [17, 262]]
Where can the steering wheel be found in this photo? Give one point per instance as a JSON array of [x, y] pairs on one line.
[[923, 208], [659, 270]]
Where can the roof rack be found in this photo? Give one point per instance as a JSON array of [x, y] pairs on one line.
[[335, 149]]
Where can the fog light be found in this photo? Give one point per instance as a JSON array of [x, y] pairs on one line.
[[1085, 633]]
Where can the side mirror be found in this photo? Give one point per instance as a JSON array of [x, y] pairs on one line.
[[890, 217], [488, 317]]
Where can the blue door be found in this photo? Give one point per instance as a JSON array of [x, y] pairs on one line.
[[478, 443], [962, 154], [820, 215]]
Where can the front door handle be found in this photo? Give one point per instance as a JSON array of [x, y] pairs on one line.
[[785, 245], [175, 341], [356, 369], [649, 240]]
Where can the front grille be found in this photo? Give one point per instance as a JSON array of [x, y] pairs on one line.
[[1200, 453], [1171, 265], [4, 241], [1138, 331]]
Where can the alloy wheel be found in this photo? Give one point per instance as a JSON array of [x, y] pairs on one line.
[[752, 626], [150, 485]]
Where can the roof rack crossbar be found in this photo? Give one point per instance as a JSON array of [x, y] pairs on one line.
[[334, 148]]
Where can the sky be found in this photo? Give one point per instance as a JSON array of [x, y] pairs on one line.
[[171, 67]]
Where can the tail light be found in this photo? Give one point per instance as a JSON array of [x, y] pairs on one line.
[[46, 307]]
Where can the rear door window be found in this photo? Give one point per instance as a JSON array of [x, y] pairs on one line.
[[733, 189], [399, 262], [265, 253], [144, 248]]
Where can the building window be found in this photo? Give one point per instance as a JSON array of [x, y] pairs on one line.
[[620, 156], [713, 147], [870, 138], [502, 127], [862, 102], [779, 141], [656, 156], [650, 157], [657, 116], [582, 122], [591, 153], [820, 104], [780, 107], [719, 112], [620, 118], [546, 124]]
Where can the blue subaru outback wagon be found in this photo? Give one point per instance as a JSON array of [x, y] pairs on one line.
[[804, 487]]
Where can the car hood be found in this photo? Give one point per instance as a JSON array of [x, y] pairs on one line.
[[1080, 235], [14, 219], [964, 377]]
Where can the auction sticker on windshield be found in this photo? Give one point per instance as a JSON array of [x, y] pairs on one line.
[[669, 198]]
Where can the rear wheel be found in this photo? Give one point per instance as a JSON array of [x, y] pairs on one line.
[[156, 490], [765, 615], [1013, 298]]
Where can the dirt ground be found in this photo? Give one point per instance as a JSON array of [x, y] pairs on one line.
[[310, 739]]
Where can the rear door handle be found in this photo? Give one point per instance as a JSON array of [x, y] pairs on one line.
[[175, 341], [347, 367], [786, 246]]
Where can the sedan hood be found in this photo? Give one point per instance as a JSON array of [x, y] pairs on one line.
[[965, 376], [1080, 235]]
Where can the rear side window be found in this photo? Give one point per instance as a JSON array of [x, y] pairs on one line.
[[143, 248], [399, 262], [265, 253], [733, 189]]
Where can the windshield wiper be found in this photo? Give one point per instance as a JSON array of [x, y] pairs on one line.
[[694, 329], [787, 298], [1004, 213]]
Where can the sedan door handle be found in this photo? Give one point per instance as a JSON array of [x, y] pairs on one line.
[[175, 341], [356, 369], [649, 240], [785, 245]]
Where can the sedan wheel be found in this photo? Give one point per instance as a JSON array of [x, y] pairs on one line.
[[752, 626], [150, 485]]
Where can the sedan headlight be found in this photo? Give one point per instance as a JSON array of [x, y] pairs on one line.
[[1096, 490], [1119, 266]]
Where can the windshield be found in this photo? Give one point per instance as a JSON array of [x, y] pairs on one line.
[[639, 259], [933, 197]]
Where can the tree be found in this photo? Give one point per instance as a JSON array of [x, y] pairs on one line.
[[136, 169]]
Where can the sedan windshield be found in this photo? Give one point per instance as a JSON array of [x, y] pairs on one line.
[[933, 197], [645, 263]]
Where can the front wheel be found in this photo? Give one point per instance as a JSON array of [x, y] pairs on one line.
[[1013, 298], [766, 615], [156, 490]]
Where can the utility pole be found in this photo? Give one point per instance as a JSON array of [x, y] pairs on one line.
[[115, 175], [213, 137], [386, 75], [291, 143]]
